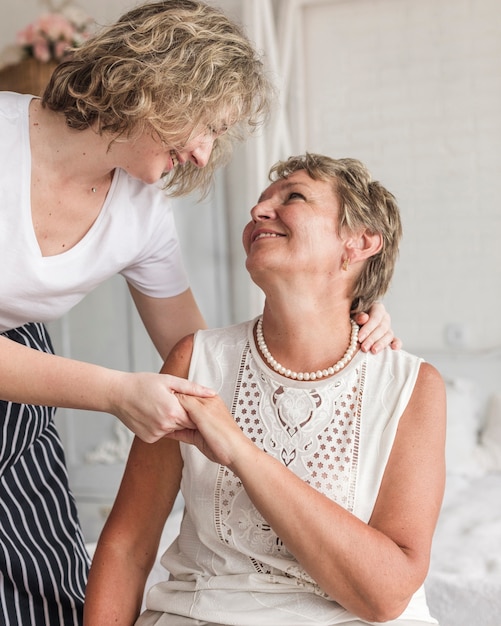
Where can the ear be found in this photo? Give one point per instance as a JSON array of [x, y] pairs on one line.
[[362, 246]]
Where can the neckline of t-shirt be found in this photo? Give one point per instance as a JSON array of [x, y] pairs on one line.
[[26, 202]]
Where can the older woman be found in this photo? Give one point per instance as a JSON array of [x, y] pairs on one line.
[[313, 481]]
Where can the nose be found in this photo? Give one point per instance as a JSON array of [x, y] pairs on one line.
[[263, 210], [200, 154]]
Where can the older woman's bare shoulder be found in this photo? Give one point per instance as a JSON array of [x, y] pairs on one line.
[[178, 361]]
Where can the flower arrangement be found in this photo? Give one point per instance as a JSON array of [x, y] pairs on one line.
[[50, 36]]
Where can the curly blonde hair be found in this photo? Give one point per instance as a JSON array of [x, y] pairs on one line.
[[168, 68], [364, 204]]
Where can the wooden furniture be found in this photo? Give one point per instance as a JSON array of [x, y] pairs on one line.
[[28, 76]]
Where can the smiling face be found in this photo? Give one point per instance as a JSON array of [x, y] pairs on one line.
[[318, 214], [294, 228], [148, 159]]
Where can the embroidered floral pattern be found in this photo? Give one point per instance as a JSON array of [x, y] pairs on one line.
[[312, 430]]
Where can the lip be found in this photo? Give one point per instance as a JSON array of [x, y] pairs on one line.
[[265, 233], [175, 159]]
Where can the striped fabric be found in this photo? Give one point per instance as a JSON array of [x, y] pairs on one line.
[[43, 561]]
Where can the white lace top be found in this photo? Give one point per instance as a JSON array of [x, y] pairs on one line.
[[228, 566]]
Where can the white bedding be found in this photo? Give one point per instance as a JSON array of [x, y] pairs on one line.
[[464, 582]]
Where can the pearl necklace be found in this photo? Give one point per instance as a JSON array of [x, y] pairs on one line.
[[343, 362]]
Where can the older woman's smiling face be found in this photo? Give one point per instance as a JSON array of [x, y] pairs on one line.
[[294, 225]]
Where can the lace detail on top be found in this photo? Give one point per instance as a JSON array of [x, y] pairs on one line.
[[314, 431]]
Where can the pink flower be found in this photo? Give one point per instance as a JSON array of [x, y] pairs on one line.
[[41, 50], [25, 37], [60, 48], [48, 37], [56, 27]]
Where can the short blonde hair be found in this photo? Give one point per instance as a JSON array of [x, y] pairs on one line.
[[364, 204], [168, 68]]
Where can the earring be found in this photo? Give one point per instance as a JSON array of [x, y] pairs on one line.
[[346, 265]]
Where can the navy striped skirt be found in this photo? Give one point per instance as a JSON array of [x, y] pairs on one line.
[[43, 560]]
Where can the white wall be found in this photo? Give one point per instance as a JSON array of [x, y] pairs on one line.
[[413, 88]]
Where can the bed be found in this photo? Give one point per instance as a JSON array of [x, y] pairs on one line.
[[464, 582]]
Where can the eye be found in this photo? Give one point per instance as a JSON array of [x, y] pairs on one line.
[[295, 195], [217, 131]]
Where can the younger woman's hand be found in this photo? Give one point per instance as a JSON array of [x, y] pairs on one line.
[[148, 404], [375, 330]]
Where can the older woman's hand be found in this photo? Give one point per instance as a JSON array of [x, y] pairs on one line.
[[375, 330], [217, 435]]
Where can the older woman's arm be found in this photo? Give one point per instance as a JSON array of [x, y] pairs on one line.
[[129, 541]]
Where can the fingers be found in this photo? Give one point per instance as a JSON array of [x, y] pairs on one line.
[[378, 340], [195, 405], [396, 344], [375, 331], [376, 322], [374, 344], [150, 423], [361, 318], [181, 385], [374, 338], [185, 435]]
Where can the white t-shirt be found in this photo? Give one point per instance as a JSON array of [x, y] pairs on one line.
[[134, 235]]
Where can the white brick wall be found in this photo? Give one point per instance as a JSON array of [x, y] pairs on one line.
[[413, 88]]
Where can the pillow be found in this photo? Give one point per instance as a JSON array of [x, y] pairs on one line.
[[463, 425], [489, 449]]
